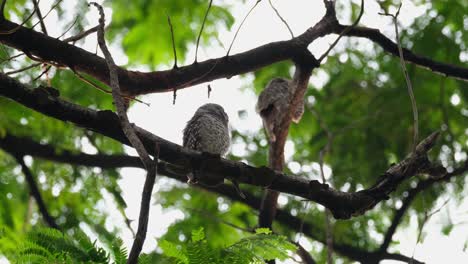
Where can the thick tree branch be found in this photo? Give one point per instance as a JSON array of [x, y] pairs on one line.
[[48, 152], [26, 146], [308, 228], [343, 205], [420, 187], [391, 47], [299, 86], [35, 193], [135, 83]]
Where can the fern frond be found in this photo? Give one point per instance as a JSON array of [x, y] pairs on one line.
[[253, 249], [257, 248], [198, 235], [119, 251], [172, 250], [55, 247]]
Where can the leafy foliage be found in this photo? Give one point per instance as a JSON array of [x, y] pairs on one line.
[[47, 245], [358, 95], [252, 249], [51, 246], [146, 27]]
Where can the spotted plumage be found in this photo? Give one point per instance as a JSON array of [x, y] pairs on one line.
[[208, 130], [273, 104]]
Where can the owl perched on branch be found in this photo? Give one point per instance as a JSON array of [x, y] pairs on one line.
[[207, 131], [273, 104]]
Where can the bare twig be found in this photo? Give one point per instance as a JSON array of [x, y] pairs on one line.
[[48, 12], [426, 218], [81, 35], [13, 30], [174, 95], [173, 41], [150, 165], [12, 57], [209, 90], [24, 69], [34, 58], [34, 189], [195, 80], [201, 30], [412, 194], [2, 9], [328, 225], [45, 71], [128, 223], [218, 219], [281, 18], [39, 15], [116, 94], [69, 28], [407, 78], [81, 77], [301, 225], [346, 30], [144, 209], [240, 26]]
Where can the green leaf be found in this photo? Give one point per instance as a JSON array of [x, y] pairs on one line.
[[171, 250], [198, 235], [446, 229], [263, 230]]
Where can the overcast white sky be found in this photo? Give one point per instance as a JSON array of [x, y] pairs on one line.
[[167, 120]]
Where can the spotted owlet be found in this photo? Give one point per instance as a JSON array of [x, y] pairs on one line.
[[207, 132], [273, 104]]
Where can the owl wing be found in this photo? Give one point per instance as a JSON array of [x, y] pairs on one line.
[[192, 138], [274, 92]]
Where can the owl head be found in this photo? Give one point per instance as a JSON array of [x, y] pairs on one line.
[[214, 110]]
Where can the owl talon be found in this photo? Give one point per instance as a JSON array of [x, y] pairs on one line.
[[238, 190], [191, 179], [272, 137]]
